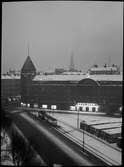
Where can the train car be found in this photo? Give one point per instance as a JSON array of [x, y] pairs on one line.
[[111, 135], [41, 114], [119, 142], [96, 129], [35, 113], [88, 125], [50, 120], [85, 125]]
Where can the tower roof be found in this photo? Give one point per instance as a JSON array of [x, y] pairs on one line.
[[28, 66]]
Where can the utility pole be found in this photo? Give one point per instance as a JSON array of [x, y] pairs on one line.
[[28, 47], [72, 68], [78, 118], [77, 109], [83, 138]]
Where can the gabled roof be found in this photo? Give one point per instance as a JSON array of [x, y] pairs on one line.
[[28, 66]]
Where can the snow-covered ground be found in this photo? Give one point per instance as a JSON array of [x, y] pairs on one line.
[[72, 118], [68, 122]]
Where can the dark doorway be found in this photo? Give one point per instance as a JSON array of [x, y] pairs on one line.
[[94, 109], [87, 108], [80, 108]]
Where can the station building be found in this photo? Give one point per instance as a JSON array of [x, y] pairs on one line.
[[67, 91]]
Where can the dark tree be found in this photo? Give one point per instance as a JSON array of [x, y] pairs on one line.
[[110, 109], [21, 150], [6, 120]]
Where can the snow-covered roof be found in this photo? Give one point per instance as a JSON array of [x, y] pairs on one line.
[[103, 69], [113, 125], [59, 77], [104, 121], [105, 77], [69, 77], [77, 77], [113, 131], [73, 73], [10, 77]]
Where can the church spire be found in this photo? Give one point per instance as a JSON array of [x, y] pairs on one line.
[[72, 68], [28, 48]]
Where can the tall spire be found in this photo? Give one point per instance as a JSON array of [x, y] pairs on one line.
[[72, 68], [28, 48], [109, 60]]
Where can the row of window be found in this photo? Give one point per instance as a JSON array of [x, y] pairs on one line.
[[86, 104], [80, 108], [72, 108], [45, 106]]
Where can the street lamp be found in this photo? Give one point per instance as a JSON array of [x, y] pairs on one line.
[[77, 114], [83, 136]]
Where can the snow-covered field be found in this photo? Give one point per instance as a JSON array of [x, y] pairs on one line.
[[72, 118]]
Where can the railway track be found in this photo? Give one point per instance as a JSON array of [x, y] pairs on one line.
[[88, 148], [89, 134]]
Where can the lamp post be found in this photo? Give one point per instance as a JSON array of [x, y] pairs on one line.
[[78, 119], [83, 138], [77, 114]]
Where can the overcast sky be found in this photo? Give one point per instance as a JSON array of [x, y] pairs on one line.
[[91, 31]]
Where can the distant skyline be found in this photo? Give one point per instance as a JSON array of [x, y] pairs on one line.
[[92, 31]]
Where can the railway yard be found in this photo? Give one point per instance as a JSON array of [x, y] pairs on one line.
[[88, 134]]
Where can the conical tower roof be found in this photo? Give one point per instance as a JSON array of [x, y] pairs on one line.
[[28, 66]]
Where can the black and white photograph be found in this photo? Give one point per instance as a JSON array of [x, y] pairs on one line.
[[61, 83]]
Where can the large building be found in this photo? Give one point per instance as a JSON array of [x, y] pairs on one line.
[[10, 86], [78, 91]]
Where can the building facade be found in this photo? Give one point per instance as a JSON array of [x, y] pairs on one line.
[[67, 92], [10, 87]]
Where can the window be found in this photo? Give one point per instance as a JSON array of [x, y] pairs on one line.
[[44, 106], [54, 107]]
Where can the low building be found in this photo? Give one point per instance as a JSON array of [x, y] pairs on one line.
[[105, 70]]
